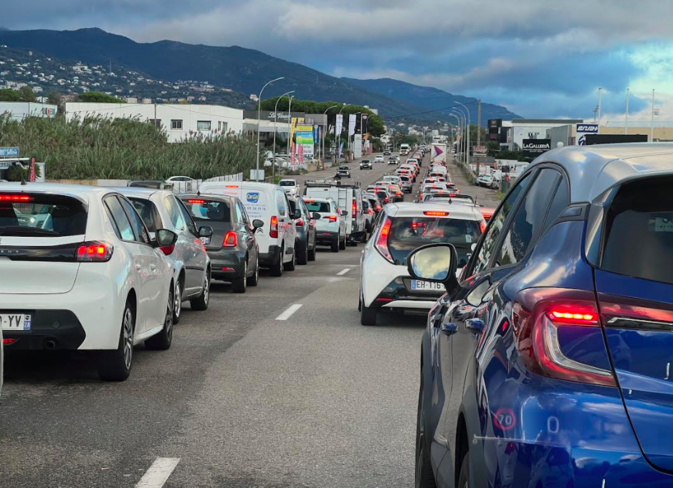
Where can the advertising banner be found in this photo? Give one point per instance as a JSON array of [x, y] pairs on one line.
[[341, 147], [339, 125], [365, 124], [357, 146], [9, 152], [583, 130], [352, 120], [532, 148], [301, 153], [305, 140], [592, 139]]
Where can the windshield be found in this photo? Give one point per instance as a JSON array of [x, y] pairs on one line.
[[320, 207], [38, 215], [408, 233], [207, 210], [287, 183]]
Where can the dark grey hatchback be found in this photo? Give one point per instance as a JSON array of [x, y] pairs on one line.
[[233, 248]]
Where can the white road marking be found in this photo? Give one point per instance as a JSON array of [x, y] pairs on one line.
[[289, 312], [343, 272], [159, 472]]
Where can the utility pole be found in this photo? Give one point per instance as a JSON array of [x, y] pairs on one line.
[[600, 107], [478, 131], [652, 119], [626, 117]]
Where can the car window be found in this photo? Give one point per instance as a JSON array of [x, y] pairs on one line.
[[281, 201], [244, 214], [205, 210], [528, 219], [148, 212], [239, 214], [43, 215], [322, 207], [559, 203], [639, 231], [137, 224], [487, 245], [303, 208], [186, 215], [174, 213], [120, 219]]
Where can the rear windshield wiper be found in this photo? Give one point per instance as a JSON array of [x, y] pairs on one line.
[[27, 231]]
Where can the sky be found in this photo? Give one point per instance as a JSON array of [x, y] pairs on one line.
[[538, 58]]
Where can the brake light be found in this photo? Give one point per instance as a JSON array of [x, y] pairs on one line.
[[8, 341], [355, 209], [538, 314], [95, 251], [15, 198], [308, 200], [382, 241], [230, 239], [435, 213], [299, 223], [273, 229], [196, 202], [369, 211], [231, 186], [482, 226], [332, 218], [386, 199]]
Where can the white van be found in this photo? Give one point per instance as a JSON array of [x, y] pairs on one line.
[[349, 199], [267, 202]]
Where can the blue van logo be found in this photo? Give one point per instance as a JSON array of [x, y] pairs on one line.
[[252, 197]]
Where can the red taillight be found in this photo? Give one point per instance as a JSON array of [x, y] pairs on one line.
[[386, 199], [230, 239], [378, 208], [332, 218], [299, 223], [435, 213], [196, 202], [96, 252], [15, 198], [355, 209], [538, 314], [382, 241], [482, 226], [8, 341], [369, 211], [273, 230]]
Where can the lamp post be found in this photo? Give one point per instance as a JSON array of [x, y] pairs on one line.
[[626, 116], [324, 134], [461, 120], [467, 113], [259, 116], [275, 130], [337, 136], [289, 127], [652, 119]]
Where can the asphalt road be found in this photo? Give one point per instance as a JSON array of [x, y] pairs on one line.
[[240, 400]]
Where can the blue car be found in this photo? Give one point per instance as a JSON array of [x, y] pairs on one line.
[[548, 362]]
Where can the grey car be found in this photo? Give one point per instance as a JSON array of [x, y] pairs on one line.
[[304, 221]]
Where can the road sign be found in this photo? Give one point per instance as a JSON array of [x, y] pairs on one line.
[[9, 152]]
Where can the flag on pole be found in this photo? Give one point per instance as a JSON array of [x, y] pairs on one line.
[[351, 124]]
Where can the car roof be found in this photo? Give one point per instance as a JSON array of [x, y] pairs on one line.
[[207, 196], [594, 169], [140, 192], [77, 191], [317, 199], [408, 209]]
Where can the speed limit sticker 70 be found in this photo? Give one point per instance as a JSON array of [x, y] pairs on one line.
[[504, 419]]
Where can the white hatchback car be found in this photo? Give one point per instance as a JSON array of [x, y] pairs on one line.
[[80, 272], [385, 282], [290, 186], [330, 228]]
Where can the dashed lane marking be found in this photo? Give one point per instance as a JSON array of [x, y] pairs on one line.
[[159, 472], [289, 312]]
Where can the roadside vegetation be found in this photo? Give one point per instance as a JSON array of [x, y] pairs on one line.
[[99, 148]]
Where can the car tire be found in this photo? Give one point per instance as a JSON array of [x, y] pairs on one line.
[[240, 284], [464, 478], [277, 268], [367, 314], [292, 265], [201, 302], [116, 365], [312, 253], [336, 244], [254, 279], [177, 306], [303, 254], [425, 478], [162, 341], [342, 244]]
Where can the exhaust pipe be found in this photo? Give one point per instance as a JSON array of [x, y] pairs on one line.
[[51, 344]]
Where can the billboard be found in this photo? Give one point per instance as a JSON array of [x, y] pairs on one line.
[[582, 130], [352, 120], [357, 145], [305, 141], [532, 148], [339, 126], [9, 152], [592, 139]]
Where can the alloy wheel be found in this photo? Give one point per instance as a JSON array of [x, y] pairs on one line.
[[177, 299], [128, 338]]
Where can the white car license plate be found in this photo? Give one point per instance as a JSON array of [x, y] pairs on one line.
[[419, 285], [15, 321]]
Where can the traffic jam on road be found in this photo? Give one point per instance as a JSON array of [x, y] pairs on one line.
[[230, 320]]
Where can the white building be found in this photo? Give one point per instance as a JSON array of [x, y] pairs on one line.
[[21, 110], [535, 128], [179, 121]]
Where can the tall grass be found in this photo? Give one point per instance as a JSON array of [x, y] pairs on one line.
[[103, 148]]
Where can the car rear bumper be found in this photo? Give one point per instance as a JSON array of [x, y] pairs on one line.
[[50, 329], [326, 237], [226, 265], [270, 258]]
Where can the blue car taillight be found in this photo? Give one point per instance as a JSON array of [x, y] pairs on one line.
[[537, 316]]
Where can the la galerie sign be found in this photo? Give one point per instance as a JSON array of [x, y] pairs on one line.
[[535, 147]]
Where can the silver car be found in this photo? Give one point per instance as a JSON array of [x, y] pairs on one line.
[[330, 228], [161, 209]]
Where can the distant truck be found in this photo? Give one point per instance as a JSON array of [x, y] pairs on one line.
[[404, 149], [349, 199], [438, 153]]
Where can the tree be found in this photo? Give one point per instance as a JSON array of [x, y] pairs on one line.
[[9, 95], [473, 135], [99, 97], [27, 94], [55, 98]]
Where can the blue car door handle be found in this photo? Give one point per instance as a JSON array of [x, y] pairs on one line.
[[475, 325]]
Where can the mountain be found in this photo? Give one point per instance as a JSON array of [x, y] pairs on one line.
[[235, 68], [432, 98]]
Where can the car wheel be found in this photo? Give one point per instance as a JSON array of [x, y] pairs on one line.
[[239, 285], [162, 341], [424, 476], [367, 314], [116, 365], [342, 244], [336, 244], [464, 478], [312, 253], [254, 279], [202, 301], [277, 268], [293, 263], [303, 254], [177, 306]]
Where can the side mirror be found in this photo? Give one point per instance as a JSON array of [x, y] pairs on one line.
[[165, 240], [205, 231], [257, 224], [435, 262], [315, 216], [344, 214]]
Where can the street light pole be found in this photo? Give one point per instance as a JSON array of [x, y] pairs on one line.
[[289, 127], [626, 117], [652, 119], [337, 137], [275, 130], [324, 135], [467, 154], [259, 116], [463, 136], [459, 119]]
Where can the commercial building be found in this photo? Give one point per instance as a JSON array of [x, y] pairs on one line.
[[535, 129], [21, 110], [179, 121]]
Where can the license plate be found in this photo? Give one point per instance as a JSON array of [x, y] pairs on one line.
[[419, 285], [15, 321], [205, 240]]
